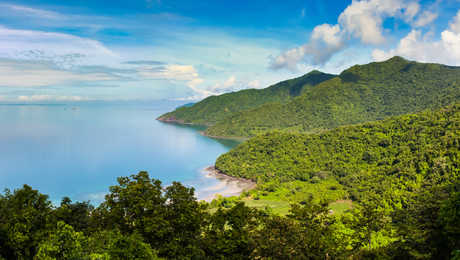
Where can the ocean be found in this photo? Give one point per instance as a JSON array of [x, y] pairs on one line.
[[79, 150]]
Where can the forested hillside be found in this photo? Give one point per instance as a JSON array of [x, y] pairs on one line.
[[389, 164], [215, 108], [389, 158], [359, 94]]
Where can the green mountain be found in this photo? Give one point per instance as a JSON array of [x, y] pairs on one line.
[[359, 94], [216, 108], [388, 159]]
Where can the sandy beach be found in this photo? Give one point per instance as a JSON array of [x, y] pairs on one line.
[[228, 185]]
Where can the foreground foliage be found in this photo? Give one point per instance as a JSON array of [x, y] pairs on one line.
[[138, 221]]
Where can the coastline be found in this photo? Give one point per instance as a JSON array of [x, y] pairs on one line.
[[228, 185], [173, 120], [235, 138]]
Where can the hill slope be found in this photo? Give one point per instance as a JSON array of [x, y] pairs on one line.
[[359, 94], [389, 158], [215, 108]]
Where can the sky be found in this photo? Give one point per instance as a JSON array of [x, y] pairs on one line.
[[98, 50]]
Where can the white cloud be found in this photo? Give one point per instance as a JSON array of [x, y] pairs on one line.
[[230, 84], [254, 83], [15, 73], [411, 11], [330, 35], [176, 73], [195, 82], [455, 23], [422, 48], [361, 19], [325, 40], [227, 85], [425, 18], [41, 98], [173, 72]]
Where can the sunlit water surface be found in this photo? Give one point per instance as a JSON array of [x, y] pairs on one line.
[[80, 150]]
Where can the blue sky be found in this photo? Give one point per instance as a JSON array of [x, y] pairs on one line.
[[62, 51]]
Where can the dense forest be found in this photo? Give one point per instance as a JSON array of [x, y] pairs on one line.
[[318, 101], [395, 165], [139, 219], [401, 176], [216, 108]]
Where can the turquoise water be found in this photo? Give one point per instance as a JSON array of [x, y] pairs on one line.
[[80, 150]]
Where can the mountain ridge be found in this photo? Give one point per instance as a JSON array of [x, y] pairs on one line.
[[361, 93]]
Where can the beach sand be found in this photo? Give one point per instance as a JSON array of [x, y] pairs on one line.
[[228, 185]]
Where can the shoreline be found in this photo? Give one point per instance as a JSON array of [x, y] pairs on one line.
[[229, 186], [172, 120], [235, 138]]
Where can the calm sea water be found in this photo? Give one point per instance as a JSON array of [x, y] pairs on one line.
[[80, 150]]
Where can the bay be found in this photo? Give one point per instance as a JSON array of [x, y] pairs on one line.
[[78, 150]]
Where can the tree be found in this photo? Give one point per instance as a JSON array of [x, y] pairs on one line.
[[185, 217], [64, 243], [428, 224], [75, 214], [368, 219], [136, 204], [25, 219], [230, 232], [111, 244], [169, 221]]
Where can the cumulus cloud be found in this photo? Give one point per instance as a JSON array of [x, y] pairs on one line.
[[227, 85], [325, 40], [176, 73], [423, 48], [361, 20]]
